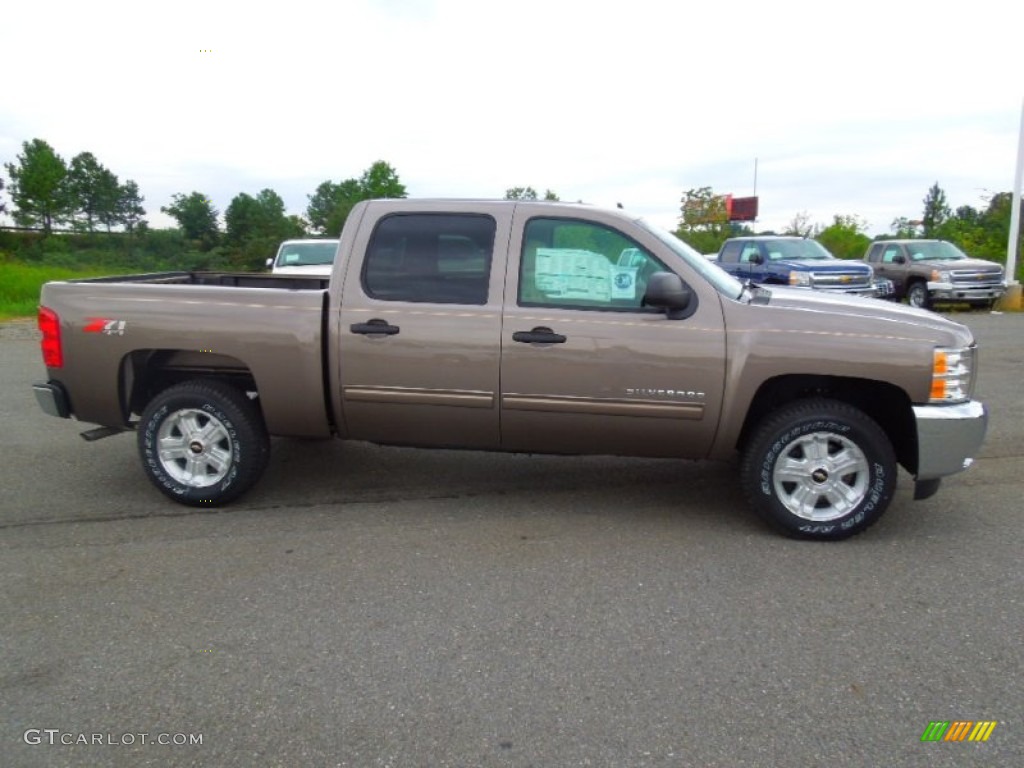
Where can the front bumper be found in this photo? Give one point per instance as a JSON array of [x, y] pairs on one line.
[[884, 288], [868, 291], [954, 292], [53, 399], [948, 437]]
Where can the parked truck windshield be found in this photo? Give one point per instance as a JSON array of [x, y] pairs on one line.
[[779, 250], [304, 254], [312, 258], [724, 283], [938, 250]]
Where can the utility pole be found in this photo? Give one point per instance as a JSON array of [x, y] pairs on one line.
[[1013, 293]]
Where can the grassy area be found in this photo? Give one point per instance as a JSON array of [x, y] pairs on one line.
[[20, 284]]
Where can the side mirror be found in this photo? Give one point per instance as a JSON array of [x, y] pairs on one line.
[[667, 291], [899, 258], [270, 263], [757, 259]]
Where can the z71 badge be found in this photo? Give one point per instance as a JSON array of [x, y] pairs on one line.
[[105, 326]]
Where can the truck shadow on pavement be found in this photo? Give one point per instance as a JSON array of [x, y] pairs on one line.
[[336, 473]]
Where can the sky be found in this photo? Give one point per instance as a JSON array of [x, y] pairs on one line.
[[819, 109]]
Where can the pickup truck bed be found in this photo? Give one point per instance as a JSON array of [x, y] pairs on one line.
[[232, 279], [196, 324]]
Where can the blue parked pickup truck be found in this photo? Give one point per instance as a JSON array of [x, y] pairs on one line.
[[795, 261]]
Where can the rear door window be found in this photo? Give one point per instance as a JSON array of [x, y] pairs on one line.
[[433, 258]]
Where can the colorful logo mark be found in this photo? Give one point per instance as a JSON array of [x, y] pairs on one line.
[[958, 730]]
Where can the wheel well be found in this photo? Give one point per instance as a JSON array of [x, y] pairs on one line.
[[147, 373], [886, 403]]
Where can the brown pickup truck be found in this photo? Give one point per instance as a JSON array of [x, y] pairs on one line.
[[931, 271], [520, 326]]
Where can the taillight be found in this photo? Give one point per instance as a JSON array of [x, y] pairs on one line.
[[49, 325]]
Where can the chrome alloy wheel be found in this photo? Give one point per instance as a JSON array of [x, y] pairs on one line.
[[821, 476], [194, 448]]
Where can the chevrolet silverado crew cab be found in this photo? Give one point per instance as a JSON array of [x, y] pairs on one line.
[[929, 271], [796, 261], [526, 326]]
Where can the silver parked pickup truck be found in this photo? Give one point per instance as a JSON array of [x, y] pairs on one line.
[[520, 326]]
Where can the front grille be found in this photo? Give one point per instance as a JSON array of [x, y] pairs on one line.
[[972, 278], [841, 280]]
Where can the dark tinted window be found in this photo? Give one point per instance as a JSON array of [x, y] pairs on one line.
[[438, 258], [731, 252], [748, 252], [890, 253]]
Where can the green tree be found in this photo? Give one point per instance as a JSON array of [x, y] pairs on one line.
[[800, 226], [108, 195], [196, 217], [255, 226], [129, 211], [704, 221], [91, 189], [936, 210], [528, 193], [381, 181], [38, 189], [903, 227], [845, 237], [981, 233], [248, 217], [330, 205]]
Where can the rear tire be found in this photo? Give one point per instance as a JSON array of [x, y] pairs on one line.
[[202, 443], [819, 469]]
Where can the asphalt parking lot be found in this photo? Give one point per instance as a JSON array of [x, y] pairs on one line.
[[368, 606]]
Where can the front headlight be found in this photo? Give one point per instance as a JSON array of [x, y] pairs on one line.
[[800, 278], [952, 375], [941, 276]]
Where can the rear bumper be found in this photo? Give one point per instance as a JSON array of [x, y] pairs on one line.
[[52, 399], [948, 437]]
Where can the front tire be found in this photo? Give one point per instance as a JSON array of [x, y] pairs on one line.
[[819, 469], [202, 443], [917, 295]]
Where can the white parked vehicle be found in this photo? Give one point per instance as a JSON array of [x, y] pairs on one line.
[[313, 258]]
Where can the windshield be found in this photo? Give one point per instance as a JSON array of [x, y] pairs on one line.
[[935, 251], [796, 249], [723, 282], [307, 254]]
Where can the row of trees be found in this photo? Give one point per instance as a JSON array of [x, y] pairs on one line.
[[254, 225], [47, 192], [248, 217], [704, 224]]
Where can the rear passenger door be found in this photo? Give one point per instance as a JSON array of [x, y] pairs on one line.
[[420, 329]]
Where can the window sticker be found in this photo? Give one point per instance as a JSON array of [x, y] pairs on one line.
[[572, 273], [623, 282]]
